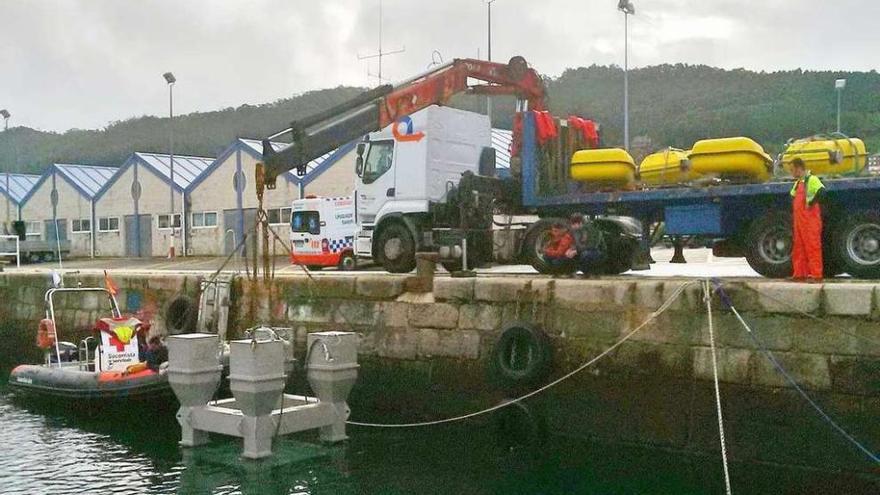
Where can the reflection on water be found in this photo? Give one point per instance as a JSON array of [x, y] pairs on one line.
[[62, 449]]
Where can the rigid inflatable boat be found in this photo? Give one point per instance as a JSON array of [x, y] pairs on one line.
[[606, 166], [825, 155], [731, 158], [112, 369], [669, 166]]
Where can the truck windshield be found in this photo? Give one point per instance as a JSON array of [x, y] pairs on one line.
[[306, 221], [378, 160]]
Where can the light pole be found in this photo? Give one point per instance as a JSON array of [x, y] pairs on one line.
[[5, 114], [628, 9], [839, 85], [489, 55], [170, 79]]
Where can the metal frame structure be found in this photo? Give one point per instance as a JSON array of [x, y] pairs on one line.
[[50, 313]]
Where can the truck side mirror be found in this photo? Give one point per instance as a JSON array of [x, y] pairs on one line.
[[487, 162], [359, 165], [360, 149]]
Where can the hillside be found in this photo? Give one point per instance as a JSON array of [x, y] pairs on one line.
[[669, 105]]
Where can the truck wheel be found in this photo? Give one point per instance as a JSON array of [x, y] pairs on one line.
[[768, 245], [533, 249], [314, 268], [451, 266], [620, 253], [397, 249], [347, 262], [856, 245]]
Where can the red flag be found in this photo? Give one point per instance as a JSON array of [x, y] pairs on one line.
[[112, 288]]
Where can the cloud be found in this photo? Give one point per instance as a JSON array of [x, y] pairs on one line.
[[84, 63]]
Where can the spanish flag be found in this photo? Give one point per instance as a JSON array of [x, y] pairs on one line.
[[110, 285]]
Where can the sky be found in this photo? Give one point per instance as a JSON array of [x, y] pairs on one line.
[[86, 63]]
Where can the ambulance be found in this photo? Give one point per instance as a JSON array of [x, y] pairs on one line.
[[322, 232]]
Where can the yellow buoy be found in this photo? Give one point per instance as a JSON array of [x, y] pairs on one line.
[[669, 166], [606, 166], [735, 157], [828, 156]]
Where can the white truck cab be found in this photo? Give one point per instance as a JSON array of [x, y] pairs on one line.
[[403, 170], [322, 232]]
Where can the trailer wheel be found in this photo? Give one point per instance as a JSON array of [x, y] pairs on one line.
[[397, 249], [347, 262], [856, 245], [314, 268], [620, 252], [533, 249], [768, 245]]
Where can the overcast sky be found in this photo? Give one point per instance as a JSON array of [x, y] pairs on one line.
[[84, 63]]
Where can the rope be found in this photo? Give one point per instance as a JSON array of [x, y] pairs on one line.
[[813, 317], [707, 296], [726, 299], [663, 307]]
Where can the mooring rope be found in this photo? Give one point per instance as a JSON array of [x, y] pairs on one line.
[[770, 356], [812, 316], [707, 297], [663, 307]]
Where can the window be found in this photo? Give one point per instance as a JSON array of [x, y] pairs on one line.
[[378, 160], [81, 226], [34, 229], [204, 219], [279, 216], [306, 221], [108, 224], [164, 221]]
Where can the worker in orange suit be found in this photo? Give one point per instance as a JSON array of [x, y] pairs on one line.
[[806, 251]]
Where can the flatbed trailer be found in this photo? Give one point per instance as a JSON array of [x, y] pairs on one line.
[[751, 220]]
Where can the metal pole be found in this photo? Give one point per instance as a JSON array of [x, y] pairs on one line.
[[8, 192], [489, 57], [626, 81], [839, 91], [171, 146]]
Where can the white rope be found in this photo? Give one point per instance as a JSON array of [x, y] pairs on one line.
[[663, 307], [707, 296]]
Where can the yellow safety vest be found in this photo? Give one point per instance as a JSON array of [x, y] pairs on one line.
[[813, 184]]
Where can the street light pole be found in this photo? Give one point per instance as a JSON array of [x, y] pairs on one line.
[[628, 9], [489, 56], [170, 79], [839, 85], [5, 114]]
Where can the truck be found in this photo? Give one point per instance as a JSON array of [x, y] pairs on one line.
[[322, 232], [426, 182]]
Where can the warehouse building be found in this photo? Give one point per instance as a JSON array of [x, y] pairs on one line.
[[223, 201], [14, 187], [135, 205], [61, 205]]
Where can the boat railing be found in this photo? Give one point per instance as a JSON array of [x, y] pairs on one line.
[[50, 308], [83, 349]]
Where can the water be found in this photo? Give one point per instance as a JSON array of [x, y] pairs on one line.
[[62, 449]]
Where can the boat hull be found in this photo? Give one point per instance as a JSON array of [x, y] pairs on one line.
[[46, 381]]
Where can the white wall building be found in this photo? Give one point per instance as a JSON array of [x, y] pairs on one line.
[[13, 188], [135, 205]]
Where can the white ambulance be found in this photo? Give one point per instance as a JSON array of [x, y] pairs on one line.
[[322, 232]]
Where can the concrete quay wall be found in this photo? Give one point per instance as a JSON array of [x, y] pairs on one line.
[[426, 355]]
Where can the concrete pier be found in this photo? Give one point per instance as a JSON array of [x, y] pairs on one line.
[[430, 351]]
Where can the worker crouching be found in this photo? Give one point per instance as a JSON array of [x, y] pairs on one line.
[[806, 251]]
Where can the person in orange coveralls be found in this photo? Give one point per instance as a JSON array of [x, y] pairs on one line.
[[560, 250], [806, 250]]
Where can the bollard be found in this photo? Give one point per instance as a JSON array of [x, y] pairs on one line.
[[331, 368], [426, 265], [194, 374], [256, 380]]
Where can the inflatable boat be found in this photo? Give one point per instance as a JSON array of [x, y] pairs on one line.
[[731, 158], [828, 155], [669, 166], [105, 367], [603, 167]]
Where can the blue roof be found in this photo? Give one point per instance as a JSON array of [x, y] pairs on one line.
[[88, 179], [186, 168], [19, 186]]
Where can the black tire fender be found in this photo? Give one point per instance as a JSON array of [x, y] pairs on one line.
[[181, 315], [522, 356], [519, 426]]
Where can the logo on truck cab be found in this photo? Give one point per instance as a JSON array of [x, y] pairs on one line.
[[409, 135]]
